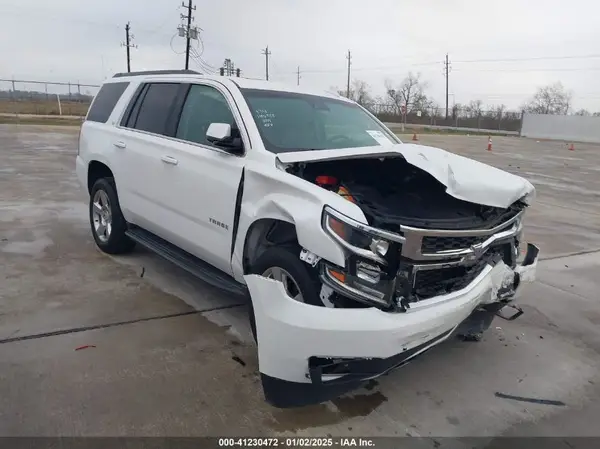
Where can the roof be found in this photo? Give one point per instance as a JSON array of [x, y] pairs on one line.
[[244, 83], [156, 72]]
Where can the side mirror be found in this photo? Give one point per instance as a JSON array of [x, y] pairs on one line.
[[218, 133], [221, 135]]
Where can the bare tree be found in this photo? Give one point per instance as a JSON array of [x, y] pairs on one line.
[[551, 99], [583, 112], [360, 91], [457, 108], [394, 97], [406, 93], [423, 103], [496, 112], [474, 108]]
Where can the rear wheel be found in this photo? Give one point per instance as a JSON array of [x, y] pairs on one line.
[[106, 219]]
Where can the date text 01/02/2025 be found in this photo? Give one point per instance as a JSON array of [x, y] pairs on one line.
[[296, 442]]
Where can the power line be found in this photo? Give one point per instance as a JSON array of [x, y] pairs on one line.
[[570, 69], [201, 63], [357, 69], [171, 44], [530, 58], [409, 64], [266, 52]]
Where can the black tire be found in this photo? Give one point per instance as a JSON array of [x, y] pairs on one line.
[[117, 242], [303, 274]]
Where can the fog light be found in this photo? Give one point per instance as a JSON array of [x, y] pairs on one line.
[[380, 247]]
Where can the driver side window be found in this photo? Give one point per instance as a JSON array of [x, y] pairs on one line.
[[203, 105]]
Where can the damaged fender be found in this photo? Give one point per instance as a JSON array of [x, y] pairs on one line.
[[274, 194]]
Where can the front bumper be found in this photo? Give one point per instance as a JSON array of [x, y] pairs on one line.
[[295, 340]]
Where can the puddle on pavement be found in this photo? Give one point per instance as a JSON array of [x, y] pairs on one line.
[[333, 412]]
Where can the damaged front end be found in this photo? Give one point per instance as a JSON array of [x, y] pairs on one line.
[[421, 243], [396, 272], [426, 266]]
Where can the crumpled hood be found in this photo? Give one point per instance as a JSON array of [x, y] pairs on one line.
[[464, 178]]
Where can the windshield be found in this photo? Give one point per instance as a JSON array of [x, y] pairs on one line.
[[298, 122]]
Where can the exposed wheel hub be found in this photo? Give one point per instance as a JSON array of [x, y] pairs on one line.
[[289, 283]]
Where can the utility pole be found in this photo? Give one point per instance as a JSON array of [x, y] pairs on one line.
[[128, 44], [349, 58], [266, 52], [188, 32], [446, 73], [298, 75]]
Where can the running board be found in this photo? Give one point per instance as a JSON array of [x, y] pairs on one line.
[[187, 261]]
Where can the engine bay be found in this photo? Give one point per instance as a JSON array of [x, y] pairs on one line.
[[391, 192]]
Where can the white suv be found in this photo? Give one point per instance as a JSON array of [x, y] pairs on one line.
[[358, 251]]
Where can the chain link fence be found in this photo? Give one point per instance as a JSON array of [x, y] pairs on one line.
[[45, 98], [458, 117], [72, 99]]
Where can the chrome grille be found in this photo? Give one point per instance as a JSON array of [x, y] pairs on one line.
[[445, 261], [432, 244], [441, 281]]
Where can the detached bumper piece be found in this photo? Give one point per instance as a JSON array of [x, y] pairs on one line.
[[346, 375]]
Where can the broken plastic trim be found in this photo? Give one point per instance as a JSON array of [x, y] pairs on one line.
[[517, 314], [364, 369]]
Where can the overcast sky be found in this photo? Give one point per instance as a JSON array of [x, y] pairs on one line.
[[78, 41]]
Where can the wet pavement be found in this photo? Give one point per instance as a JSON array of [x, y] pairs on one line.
[[131, 345]]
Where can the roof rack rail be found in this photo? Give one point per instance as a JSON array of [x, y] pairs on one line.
[[157, 72]]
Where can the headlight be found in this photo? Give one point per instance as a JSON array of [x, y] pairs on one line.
[[365, 277], [379, 246], [356, 240]]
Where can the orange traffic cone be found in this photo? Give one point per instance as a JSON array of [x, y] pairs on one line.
[[571, 147], [415, 138], [489, 148]]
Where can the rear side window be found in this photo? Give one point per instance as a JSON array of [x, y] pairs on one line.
[[105, 101], [155, 108]]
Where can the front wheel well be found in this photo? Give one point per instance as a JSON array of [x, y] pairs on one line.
[[266, 233], [96, 171]]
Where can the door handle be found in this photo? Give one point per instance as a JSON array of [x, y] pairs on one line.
[[169, 160], [120, 144]]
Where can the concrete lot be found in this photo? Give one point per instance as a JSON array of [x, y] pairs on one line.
[[174, 357]]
